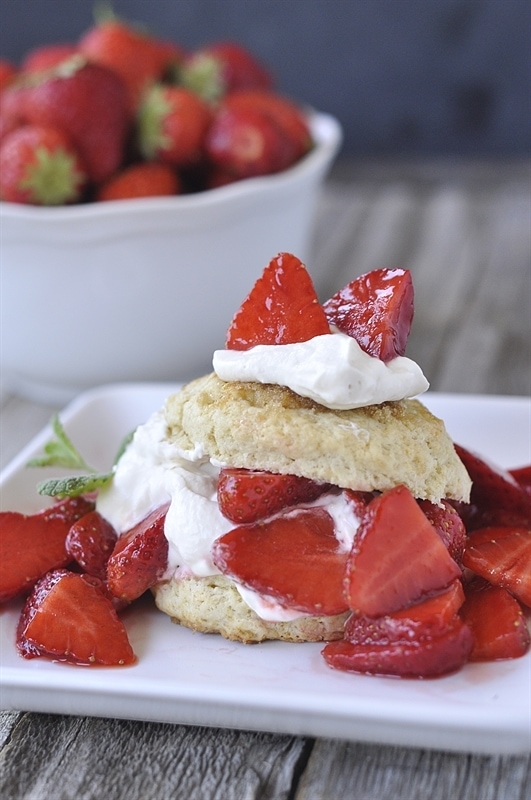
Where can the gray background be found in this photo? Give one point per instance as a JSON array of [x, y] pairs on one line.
[[405, 77]]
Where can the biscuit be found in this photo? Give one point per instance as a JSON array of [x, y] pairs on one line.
[[213, 605], [271, 428]]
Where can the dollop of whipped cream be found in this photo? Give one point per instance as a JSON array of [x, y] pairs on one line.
[[331, 369]]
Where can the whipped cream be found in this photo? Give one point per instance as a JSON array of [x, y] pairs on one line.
[[331, 369], [154, 472]]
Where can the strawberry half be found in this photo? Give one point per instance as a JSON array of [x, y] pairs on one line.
[[397, 559], [281, 308], [496, 499], [376, 309], [503, 557], [497, 622], [31, 545], [410, 655], [246, 495], [139, 558], [67, 618], [423, 641], [294, 558]]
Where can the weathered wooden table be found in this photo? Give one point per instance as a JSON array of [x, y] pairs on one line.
[[464, 230]]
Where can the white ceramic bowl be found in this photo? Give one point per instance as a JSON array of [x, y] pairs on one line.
[[143, 290]]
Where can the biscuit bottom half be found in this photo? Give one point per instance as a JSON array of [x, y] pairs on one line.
[[213, 605]]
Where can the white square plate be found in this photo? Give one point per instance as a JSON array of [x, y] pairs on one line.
[[189, 678]]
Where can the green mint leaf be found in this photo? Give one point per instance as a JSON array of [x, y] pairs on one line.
[[74, 485], [60, 452]]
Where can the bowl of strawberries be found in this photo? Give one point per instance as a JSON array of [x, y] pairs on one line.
[[140, 186]]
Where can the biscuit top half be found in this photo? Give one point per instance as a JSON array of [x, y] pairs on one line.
[[271, 428]]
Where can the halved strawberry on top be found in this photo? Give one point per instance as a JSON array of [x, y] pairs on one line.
[[375, 309], [282, 308]]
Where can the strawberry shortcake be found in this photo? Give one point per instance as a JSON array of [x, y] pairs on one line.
[[261, 474]]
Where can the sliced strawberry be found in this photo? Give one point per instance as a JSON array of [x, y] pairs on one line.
[[246, 495], [496, 497], [139, 558], [294, 558], [397, 558], [281, 308], [425, 657], [448, 524], [32, 545], [90, 542], [376, 309], [497, 622], [503, 557], [67, 618]]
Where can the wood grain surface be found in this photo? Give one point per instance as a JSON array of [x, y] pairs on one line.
[[464, 229]]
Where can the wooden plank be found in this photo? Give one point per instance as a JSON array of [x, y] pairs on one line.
[[50, 757], [339, 770]]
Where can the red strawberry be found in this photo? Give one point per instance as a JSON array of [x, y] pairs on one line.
[[88, 102], [67, 618], [496, 621], [32, 545], [397, 558], [47, 57], [503, 557], [283, 112], [139, 59], [39, 166], [282, 307], [294, 558], [90, 542], [359, 500], [139, 558], [247, 143], [140, 180], [214, 70], [448, 525], [8, 73], [376, 309], [496, 497], [423, 640], [412, 654], [246, 495], [172, 125]]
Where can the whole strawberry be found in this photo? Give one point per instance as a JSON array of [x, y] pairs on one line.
[[88, 102], [145, 179], [246, 143], [39, 166], [172, 125], [219, 68], [47, 57], [139, 59]]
